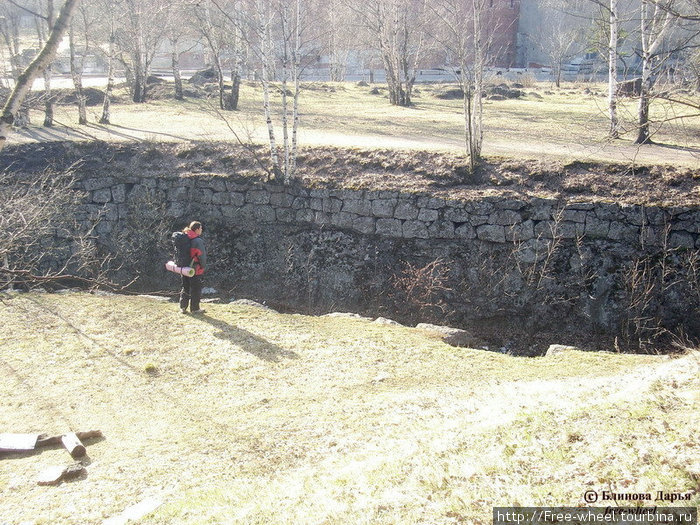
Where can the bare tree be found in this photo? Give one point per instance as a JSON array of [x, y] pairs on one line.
[[33, 217], [465, 36], [43, 26], [339, 38], [81, 23], [109, 10], [396, 29], [279, 27], [655, 23], [35, 68], [561, 40], [141, 31], [10, 25]]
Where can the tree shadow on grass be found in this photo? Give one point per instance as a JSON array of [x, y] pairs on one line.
[[248, 341]]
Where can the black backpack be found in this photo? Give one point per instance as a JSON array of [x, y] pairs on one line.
[[182, 245]]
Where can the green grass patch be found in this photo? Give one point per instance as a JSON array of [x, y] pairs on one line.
[[245, 415]]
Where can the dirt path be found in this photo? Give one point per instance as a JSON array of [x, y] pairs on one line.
[[495, 144]]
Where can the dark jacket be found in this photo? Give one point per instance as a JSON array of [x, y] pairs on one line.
[[197, 252]]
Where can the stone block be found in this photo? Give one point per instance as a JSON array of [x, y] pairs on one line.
[[104, 227], [177, 209], [452, 336], [98, 183], [319, 193], [521, 232], [413, 229], [619, 231], [491, 233], [237, 199], [282, 199], [532, 251], [505, 218], [321, 218], [257, 197], [300, 203], [406, 210], [432, 203], [573, 215], [285, 214], [510, 204], [358, 206], [231, 212], [442, 229], [456, 215], [686, 226], [389, 227], [383, 208], [331, 205], [608, 212], [342, 219], [110, 212], [596, 228], [213, 183], [478, 220], [427, 215], [119, 193], [681, 240], [585, 206], [177, 193], [541, 212], [560, 349], [364, 224], [482, 207], [101, 196], [465, 231], [221, 198], [202, 195], [305, 215], [316, 204]]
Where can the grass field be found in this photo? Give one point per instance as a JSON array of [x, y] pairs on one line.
[[245, 415], [570, 122]]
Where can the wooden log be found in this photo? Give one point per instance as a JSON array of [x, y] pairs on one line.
[[46, 441], [73, 445]]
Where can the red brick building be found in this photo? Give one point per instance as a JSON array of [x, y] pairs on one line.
[[502, 25]]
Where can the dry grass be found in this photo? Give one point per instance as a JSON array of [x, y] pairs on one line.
[[566, 123], [245, 415]]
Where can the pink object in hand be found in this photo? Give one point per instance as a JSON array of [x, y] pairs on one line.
[[182, 270]]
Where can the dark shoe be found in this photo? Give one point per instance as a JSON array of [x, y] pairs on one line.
[[183, 310], [200, 311]]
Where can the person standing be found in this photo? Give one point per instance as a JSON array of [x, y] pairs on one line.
[[191, 291]]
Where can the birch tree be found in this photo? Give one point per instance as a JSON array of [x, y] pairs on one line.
[[10, 24], [109, 9], [81, 23], [464, 34], [279, 32], [43, 25], [35, 68], [397, 31], [140, 33], [655, 23]]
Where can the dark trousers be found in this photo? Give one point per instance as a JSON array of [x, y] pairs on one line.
[[191, 292]]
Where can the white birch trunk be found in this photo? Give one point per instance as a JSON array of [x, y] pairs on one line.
[[612, 70], [295, 73], [264, 20], [37, 66]]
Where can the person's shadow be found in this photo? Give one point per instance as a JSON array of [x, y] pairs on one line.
[[248, 341]]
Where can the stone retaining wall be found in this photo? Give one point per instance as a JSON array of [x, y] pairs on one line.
[[400, 215], [521, 262]]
